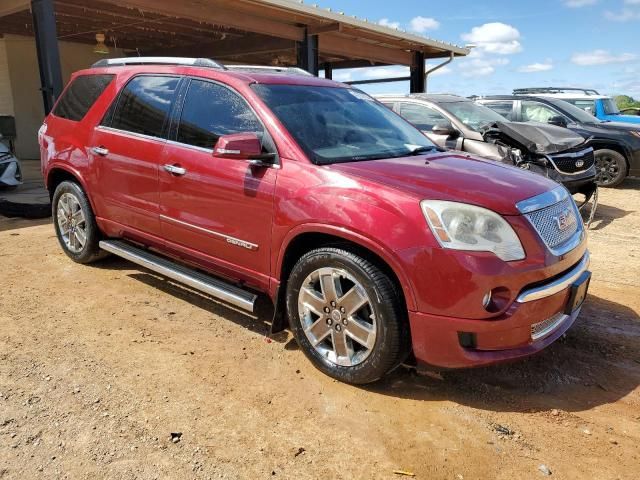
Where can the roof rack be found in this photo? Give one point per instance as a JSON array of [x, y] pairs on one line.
[[192, 62], [528, 91], [268, 69]]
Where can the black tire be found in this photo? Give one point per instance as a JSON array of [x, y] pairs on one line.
[[89, 251], [392, 337], [611, 168]]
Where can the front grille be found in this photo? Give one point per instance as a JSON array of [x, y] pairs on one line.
[[574, 162], [557, 223], [544, 328]]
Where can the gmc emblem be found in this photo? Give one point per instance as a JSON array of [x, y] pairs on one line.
[[562, 220]]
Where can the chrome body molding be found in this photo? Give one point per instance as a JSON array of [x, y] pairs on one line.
[[229, 239], [557, 285], [543, 200]]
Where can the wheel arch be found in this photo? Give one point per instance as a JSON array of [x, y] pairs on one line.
[[311, 237], [58, 174], [616, 147]]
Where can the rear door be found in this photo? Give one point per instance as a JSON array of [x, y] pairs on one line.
[[127, 147], [218, 210]]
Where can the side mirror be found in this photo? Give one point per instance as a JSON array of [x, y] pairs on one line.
[[445, 129], [558, 120], [243, 146]]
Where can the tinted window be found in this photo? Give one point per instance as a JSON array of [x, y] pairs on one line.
[[474, 116], [503, 108], [144, 105], [80, 96], [424, 118], [211, 110]]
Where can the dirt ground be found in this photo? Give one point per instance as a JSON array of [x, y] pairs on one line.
[[100, 364]]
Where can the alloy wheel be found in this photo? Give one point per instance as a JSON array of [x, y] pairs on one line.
[[337, 316], [607, 169], [72, 222]]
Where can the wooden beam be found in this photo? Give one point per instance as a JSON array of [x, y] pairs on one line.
[[218, 16], [352, 48], [330, 27], [7, 7]]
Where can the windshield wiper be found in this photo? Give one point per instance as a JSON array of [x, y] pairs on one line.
[[423, 149]]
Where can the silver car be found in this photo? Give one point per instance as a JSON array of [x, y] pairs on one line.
[[10, 171]]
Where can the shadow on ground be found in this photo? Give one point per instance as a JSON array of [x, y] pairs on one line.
[[596, 363]]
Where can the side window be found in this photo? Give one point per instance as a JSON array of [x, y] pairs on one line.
[[503, 108], [211, 110], [144, 105], [80, 96], [389, 105], [586, 105], [422, 117], [537, 112]]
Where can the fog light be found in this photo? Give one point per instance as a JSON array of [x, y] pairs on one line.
[[486, 300]]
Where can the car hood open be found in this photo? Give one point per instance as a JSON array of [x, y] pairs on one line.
[[533, 137], [455, 177]]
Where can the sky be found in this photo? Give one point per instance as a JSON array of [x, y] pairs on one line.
[[519, 43]]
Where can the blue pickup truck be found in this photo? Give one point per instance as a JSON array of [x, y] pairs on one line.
[[601, 106]]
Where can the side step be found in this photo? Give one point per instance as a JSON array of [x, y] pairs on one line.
[[216, 288]]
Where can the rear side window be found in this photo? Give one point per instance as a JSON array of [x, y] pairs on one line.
[[422, 117], [80, 96], [211, 110], [503, 108], [144, 105]]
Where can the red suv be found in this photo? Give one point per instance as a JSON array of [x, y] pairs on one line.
[[374, 245]]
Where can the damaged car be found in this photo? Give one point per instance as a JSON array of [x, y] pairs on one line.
[[458, 123], [10, 171]]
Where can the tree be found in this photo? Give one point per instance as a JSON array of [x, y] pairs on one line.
[[625, 101]]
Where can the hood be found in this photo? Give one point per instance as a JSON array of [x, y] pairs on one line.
[[620, 126], [634, 119], [454, 177], [535, 137]]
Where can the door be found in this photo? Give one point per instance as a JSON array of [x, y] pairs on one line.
[[533, 111], [425, 118], [126, 150], [215, 208]]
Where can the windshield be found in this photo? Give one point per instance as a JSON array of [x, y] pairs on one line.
[[610, 107], [579, 114], [472, 115], [340, 124]]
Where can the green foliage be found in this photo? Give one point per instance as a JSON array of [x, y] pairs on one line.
[[625, 101]]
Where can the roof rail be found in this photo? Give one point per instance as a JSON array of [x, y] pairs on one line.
[[528, 91], [268, 69], [193, 62]]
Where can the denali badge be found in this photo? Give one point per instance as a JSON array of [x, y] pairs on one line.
[[562, 220], [579, 163]]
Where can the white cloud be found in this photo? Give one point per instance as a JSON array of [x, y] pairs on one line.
[[632, 2], [342, 76], [385, 22], [536, 67], [495, 37], [624, 15], [477, 65], [384, 72], [422, 24], [601, 57], [441, 71], [579, 3]]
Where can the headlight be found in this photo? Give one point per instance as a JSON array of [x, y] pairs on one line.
[[460, 226]]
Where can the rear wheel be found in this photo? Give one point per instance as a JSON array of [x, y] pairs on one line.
[[611, 168], [75, 223], [347, 315]]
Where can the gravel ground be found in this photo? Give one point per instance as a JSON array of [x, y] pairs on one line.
[[100, 365]]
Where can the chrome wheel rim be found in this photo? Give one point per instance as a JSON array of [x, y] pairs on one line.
[[607, 169], [72, 223], [337, 316]]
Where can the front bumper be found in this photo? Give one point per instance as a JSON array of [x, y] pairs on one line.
[[517, 333]]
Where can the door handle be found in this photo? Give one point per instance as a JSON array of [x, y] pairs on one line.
[[100, 151], [175, 170]]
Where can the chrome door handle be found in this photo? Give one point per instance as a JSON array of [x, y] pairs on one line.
[[100, 151], [174, 170]]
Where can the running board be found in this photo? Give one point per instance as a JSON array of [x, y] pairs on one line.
[[216, 288]]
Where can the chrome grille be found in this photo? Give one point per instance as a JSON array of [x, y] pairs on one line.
[[569, 163], [544, 328], [557, 223]]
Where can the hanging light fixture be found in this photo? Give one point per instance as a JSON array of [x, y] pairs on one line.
[[100, 48]]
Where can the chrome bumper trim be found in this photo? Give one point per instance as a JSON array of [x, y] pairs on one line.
[[557, 285]]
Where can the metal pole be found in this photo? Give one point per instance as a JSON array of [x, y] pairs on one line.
[[328, 71], [437, 67], [44, 26], [416, 74], [308, 54]]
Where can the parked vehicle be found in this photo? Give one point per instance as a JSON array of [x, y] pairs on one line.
[[10, 171], [600, 106], [458, 123], [372, 243], [616, 145]]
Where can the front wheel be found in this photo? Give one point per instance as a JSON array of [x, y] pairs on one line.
[[347, 315], [611, 168]]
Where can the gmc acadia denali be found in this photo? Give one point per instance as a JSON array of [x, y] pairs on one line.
[[374, 245]]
